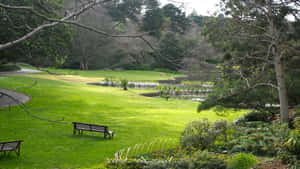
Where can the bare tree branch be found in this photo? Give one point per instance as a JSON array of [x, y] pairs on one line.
[[44, 26], [66, 20]]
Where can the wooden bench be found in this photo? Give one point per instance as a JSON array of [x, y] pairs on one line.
[[11, 146], [80, 127]]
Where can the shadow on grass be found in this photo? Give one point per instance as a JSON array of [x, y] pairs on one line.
[[8, 156], [89, 136]]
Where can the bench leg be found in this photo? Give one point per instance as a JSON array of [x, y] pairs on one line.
[[18, 152], [104, 135]]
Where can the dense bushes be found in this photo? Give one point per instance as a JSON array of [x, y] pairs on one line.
[[9, 67], [258, 138], [202, 135], [252, 137], [242, 161], [258, 116]]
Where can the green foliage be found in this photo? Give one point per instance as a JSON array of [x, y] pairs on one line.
[[258, 116], [179, 22], [124, 84], [242, 161], [120, 10], [287, 158], [293, 142], [297, 123], [201, 134], [244, 64], [258, 138], [48, 47], [156, 20], [153, 21], [9, 67], [172, 49]]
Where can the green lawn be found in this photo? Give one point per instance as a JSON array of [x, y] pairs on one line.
[[135, 119], [131, 75]]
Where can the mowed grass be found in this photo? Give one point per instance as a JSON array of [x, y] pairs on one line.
[[131, 75], [134, 119]]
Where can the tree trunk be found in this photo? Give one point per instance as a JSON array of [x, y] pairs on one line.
[[284, 111], [282, 91]]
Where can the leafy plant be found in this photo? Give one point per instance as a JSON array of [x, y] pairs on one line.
[[124, 84], [202, 135], [293, 142], [242, 161], [258, 138], [258, 116]]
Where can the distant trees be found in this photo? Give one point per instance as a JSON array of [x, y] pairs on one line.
[[27, 19], [168, 25], [146, 33], [18, 20], [259, 42]]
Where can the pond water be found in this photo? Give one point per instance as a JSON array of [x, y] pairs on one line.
[[185, 92]]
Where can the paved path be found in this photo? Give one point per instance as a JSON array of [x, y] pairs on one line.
[[22, 71], [6, 101]]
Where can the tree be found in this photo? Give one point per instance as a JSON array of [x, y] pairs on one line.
[[168, 25], [258, 40], [15, 23], [70, 15], [179, 22], [173, 48], [153, 22]]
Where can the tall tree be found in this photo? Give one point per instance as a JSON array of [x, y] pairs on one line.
[[179, 22], [258, 41]]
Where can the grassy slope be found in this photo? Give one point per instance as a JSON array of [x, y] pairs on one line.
[[131, 75], [135, 119]]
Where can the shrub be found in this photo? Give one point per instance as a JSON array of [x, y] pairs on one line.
[[165, 70], [242, 161], [124, 84], [9, 67], [125, 164], [196, 135], [297, 123], [206, 160], [136, 67], [202, 135], [293, 142], [258, 138], [258, 116], [287, 158]]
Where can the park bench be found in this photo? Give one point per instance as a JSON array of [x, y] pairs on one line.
[[80, 127], [11, 146]]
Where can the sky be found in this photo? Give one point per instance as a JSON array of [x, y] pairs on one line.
[[203, 7]]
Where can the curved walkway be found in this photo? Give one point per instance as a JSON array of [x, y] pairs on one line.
[[6, 101]]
